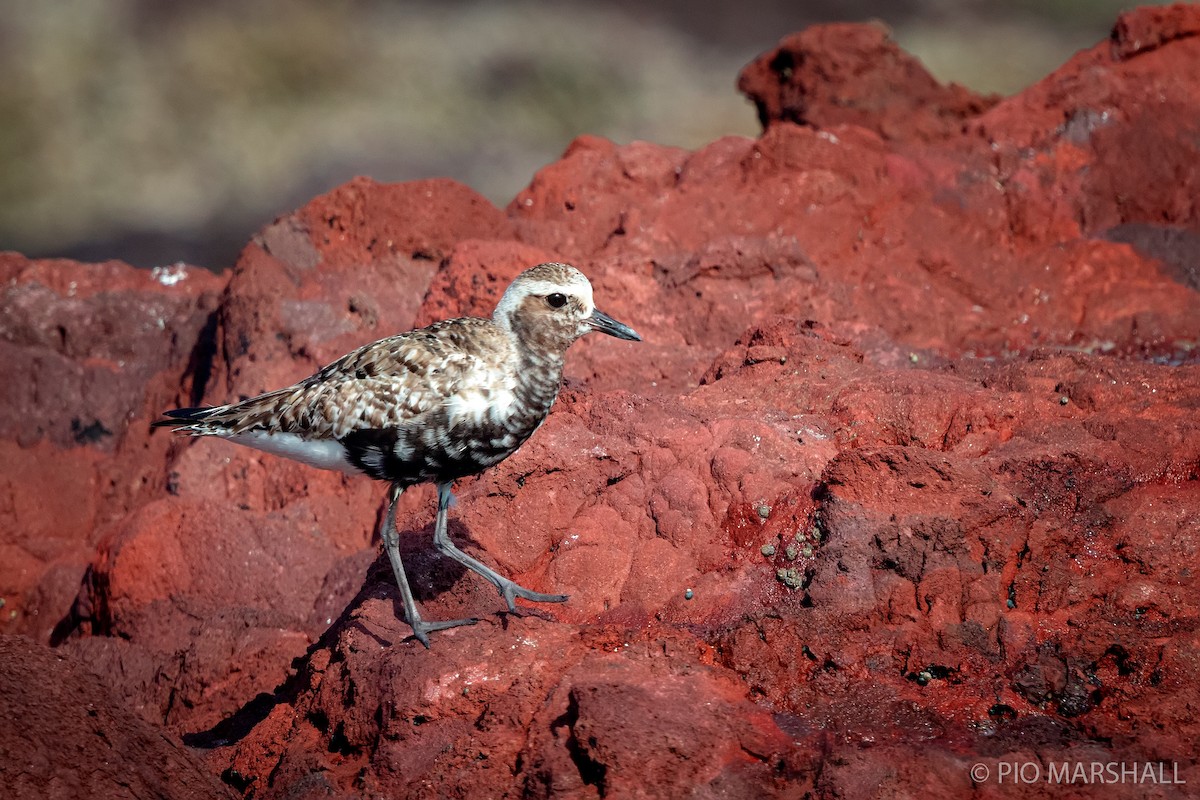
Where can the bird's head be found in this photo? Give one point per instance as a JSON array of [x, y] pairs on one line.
[[550, 306]]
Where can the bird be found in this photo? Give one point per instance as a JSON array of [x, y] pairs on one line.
[[431, 405]]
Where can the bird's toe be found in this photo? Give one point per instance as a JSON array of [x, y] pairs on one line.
[[422, 629], [510, 591]]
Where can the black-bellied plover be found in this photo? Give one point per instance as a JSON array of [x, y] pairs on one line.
[[431, 405]]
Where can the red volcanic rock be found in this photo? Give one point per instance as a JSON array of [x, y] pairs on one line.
[[1145, 29], [243, 559], [607, 714], [87, 353], [66, 736], [904, 480], [855, 75]]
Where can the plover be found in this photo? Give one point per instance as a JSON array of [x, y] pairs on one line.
[[431, 405]]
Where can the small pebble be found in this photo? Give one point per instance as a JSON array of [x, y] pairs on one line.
[[767, 550], [806, 551], [791, 552], [764, 511], [688, 594], [790, 578]]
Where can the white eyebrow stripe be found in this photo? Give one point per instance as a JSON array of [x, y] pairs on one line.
[[518, 291], [584, 290]]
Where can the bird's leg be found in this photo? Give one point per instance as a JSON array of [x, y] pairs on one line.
[[508, 589], [391, 546]]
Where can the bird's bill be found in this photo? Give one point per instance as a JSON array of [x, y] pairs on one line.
[[599, 321]]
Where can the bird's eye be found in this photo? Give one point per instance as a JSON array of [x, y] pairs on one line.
[[556, 300]]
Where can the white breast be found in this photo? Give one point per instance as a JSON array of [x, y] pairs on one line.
[[475, 406]]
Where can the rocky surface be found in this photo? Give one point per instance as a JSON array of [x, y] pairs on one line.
[[904, 479], [66, 736]]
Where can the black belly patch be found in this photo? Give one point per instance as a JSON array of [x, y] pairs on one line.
[[374, 452]]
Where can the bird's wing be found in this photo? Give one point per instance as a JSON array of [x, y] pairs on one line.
[[390, 383]]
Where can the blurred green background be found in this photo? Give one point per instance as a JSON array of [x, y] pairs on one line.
[[157, 131]]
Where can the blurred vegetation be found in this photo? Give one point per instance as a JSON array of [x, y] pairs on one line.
[[157, 130]]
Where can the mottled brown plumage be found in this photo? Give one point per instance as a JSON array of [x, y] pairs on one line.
[[433, 404]]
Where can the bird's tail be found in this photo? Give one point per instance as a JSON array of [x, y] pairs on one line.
[[190, 420], [229, 419]]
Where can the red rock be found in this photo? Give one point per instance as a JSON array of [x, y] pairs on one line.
[[365, 222], [606, 716], [1081, 128], [905, 477], [86, 355], [1144, 29], [66, 736], [298, 298], [854, 74]]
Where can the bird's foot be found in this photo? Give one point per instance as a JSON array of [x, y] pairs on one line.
[[510, 591], [422, 629]]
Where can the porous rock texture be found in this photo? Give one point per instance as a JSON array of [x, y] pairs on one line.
[[904, 480]]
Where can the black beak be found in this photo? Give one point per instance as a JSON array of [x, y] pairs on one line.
[[599, 321]]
